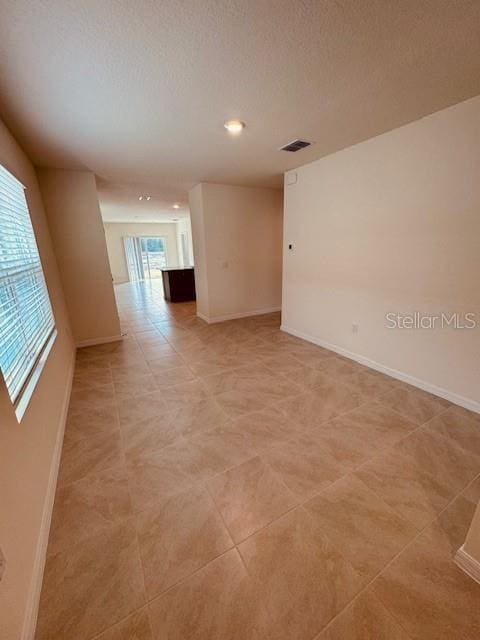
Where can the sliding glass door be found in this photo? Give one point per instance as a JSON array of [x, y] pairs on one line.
[[133, 258], [154, 256], [146, 256]]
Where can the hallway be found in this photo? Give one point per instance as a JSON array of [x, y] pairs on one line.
[[233, 482]]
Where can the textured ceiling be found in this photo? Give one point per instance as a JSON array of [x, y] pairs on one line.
[[120, 203], [138, 91]]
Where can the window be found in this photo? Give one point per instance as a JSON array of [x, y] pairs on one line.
[[26, 318]]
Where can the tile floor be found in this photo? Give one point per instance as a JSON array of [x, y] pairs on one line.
[[232, 482]]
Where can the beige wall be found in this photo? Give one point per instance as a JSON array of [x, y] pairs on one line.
[[195, 197], [392, 224], [184, 226], [74, 218], [237, 241], [116, 231], [28, 450]]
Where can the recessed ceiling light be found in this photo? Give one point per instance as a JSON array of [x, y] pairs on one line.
[[234, 126], [148, 197], [140, 197], [176, 206]]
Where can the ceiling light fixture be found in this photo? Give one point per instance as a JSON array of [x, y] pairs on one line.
[[144, 197], [176, 206], [140, 197], [148, 197], [234, 126]]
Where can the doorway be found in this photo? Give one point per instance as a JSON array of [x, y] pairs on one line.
[[146, 257]]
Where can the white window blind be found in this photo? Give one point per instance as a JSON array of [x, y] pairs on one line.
[[26, 318]]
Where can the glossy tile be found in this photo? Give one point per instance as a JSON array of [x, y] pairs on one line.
[[244, 378], [91, 586], [303, 581], [133, 410], [133, 388], [153, 354], [370, 385], [219, 449], [136, 359], [158, 475], [216, 603], [169, 377], [181, 395], [325, 401], [427, 593], [90, 398], [304, 465], [130, 372], [204, 363], [339, 368], [184, 439], [283, 364], [135, 627], [249, 497], [266, 428], [257, 397], [358, 435], [165, 362], [306, 377], [150, 435], [361, 525], [82, 457], [88, 506], [87, 378], [177, 537], [309, 355], [440, 457], [364, 619], [199, 415], [406, 487], [460, 428], [471, 415], [91, 422], [414, 404]]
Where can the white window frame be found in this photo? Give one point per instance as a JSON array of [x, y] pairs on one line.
[[10, 199]]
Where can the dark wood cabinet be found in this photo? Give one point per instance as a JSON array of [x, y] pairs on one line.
[[179, 284]]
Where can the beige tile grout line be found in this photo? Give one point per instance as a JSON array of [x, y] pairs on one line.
[[410, 543]]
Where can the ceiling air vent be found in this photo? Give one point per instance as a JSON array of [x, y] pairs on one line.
[[295, 145]]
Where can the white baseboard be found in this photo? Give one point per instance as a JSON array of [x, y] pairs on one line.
[[92, 342], [469, 565], [236, 316], [467, 403], [31, 612]]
